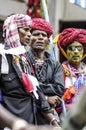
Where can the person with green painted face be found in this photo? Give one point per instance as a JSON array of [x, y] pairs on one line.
[[72, 44]]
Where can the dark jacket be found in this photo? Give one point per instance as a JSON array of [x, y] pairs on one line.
[[51, 79], [15, 96]]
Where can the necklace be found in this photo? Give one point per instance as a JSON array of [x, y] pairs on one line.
[[39, 62]]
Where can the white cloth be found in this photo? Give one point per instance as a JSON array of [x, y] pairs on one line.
[[12, 51]]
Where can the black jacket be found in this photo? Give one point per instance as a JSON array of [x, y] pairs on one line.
[[52, 78], [15, 97]]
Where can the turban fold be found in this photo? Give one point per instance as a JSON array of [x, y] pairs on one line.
[[42, 24], [72, 34], [10, 28]]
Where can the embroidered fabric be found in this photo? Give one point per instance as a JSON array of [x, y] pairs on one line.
[[75, 78]]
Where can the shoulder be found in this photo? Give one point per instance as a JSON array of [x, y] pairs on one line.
[[55, 64]]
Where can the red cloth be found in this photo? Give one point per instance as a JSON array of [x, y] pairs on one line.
[[42, 24], [69, 35], [27, 82], [34, 8]]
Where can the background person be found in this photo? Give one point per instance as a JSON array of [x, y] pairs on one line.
[[72, 44]]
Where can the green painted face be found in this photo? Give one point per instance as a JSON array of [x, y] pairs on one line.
[[75, 52]]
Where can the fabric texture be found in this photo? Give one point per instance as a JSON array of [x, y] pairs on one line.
[[42, 24], [73, 79], [54, 83], [10, 28], [72, 34], [15, 96], [52, 70]]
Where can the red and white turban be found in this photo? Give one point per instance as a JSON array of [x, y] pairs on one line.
[[42, 24], [10, 28], [68, 36]]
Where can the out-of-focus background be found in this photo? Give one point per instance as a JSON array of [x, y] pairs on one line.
[[61, 13]]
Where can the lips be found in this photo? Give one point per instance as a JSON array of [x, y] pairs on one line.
[[27, 40], [39, 43], [75, 57]]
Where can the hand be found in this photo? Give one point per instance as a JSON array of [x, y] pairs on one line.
[[54, 100], [20, 124], [59, 101]]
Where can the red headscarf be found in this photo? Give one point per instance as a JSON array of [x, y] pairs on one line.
[[72, 34], [42, 24]]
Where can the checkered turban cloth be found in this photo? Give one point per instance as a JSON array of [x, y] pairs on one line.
[[42, 24], [10, 28]]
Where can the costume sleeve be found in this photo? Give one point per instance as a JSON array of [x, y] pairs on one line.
[[56, 85]]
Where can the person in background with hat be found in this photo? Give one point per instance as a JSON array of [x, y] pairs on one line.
[[72, 44], [47, 71], [20, 90]]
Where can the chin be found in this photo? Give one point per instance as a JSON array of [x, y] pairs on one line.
[[76, 61]]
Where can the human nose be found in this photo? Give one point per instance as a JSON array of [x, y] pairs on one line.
[[76, 50], [28, 33], [40, 36]]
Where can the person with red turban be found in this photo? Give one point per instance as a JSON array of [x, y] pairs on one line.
[[47, 71], [42, 24], [72, 44]]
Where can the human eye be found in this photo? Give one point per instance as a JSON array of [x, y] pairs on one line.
[[71, 48], [79, 48], [44, 35], [35, 34], [26, 29]]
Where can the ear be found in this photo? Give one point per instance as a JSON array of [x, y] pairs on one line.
[[48, 41]]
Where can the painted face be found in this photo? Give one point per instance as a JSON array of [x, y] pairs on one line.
[[75, 52], [24, 34], [39, 40]]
